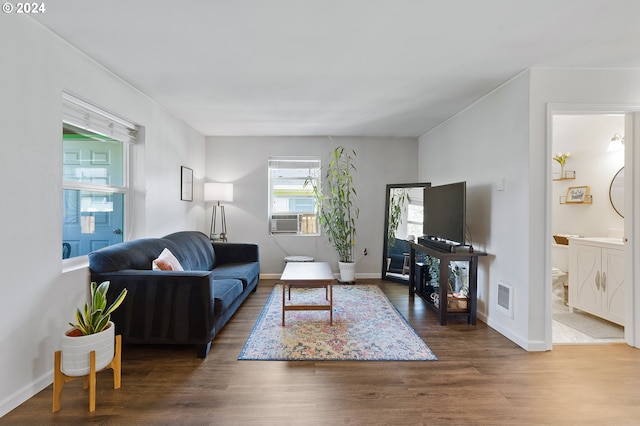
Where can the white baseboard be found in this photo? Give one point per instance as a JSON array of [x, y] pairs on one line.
[[20, 396], [530, 346], [364, 276], [270, 276]]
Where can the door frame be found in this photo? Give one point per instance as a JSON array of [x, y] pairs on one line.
[[631, 211]]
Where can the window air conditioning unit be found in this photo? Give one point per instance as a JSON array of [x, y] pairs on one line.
[[286, 223]]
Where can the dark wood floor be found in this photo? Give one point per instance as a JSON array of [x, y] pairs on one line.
[[481, 378]]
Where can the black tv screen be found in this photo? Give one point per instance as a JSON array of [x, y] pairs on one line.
[[444, 212]]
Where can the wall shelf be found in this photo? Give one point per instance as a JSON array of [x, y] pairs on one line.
[[568, 175], [587, 200]]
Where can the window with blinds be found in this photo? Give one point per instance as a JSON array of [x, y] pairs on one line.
[[292, 207], [95, 177]]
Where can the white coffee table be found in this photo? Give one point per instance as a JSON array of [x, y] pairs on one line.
[[309, 275]]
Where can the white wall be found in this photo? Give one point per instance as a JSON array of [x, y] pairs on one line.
[[486, 142], [243, 161], [505, 135], [38, 298], [587, 137], [584, 89]]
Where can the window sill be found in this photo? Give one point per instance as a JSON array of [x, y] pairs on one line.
[[75, 263], [292, 234]]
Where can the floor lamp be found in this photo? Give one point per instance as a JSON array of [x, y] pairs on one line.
[[217, 192]]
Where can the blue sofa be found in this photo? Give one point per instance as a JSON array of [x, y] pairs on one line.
[[176, 307]]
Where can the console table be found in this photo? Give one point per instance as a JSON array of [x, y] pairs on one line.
[[445, 257]]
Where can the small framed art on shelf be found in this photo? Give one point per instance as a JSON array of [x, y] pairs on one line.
[[577, 194]]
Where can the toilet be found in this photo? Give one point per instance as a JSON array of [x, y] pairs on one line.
[[559, 282], [559, 274]]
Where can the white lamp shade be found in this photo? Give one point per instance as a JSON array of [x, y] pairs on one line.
[[617, 143], [216, 191]]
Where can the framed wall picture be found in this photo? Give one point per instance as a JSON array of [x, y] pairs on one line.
[[577, 194], [186, 184]]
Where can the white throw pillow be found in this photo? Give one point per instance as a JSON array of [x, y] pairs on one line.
[[167, 262]]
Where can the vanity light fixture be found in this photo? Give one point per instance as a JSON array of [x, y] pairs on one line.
[[617, 143]]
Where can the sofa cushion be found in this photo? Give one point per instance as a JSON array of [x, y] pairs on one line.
[[225, 292], [246, 272], [193, 250], [167, 262]]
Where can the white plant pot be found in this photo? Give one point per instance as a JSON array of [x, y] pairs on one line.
[[347, 271], [76, 350]]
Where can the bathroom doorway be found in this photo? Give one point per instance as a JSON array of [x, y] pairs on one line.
[[584, 165]]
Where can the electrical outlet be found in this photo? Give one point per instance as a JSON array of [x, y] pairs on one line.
[[364, 252]]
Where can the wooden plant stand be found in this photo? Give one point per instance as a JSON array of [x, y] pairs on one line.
[[59, 378]]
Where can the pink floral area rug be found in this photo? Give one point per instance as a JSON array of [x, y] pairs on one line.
[[366, 327]]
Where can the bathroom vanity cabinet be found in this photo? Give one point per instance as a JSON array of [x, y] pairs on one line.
[[596, 277]]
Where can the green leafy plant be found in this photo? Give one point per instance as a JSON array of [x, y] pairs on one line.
[[96, 316], [335, 206], [455, 271], [397, 204]]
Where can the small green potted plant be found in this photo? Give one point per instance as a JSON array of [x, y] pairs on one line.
[[336, 208], [93, 331]]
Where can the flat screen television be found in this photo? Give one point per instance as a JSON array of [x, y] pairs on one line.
[[445, 212]]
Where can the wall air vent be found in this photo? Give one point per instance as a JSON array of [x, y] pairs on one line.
[[285, 223], [505, 299]]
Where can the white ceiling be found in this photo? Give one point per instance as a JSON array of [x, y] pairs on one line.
[[338, 67]]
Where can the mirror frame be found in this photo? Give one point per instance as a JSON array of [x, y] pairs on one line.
[[388, 188], [618, 209]]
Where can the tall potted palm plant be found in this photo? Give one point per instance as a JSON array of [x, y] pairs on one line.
[[336, 208]]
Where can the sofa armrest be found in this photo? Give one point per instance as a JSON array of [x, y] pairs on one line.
[[162, 306], [236, 252]]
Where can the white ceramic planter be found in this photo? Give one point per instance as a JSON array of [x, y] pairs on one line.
[[347, 271], [76, 350]]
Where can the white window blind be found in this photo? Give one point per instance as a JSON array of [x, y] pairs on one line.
[[85, 116], [95, 176]]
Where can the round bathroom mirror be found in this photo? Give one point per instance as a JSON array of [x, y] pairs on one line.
[[616, 192]]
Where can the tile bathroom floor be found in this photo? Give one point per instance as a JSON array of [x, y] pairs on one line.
[[563, 334]]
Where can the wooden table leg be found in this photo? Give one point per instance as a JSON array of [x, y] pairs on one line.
[[283, 293], [330, 304], [58, 380], [92, 381], [473, 290], [412, 276], [444, 289]]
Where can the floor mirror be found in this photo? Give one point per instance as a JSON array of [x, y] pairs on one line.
[[404, 217]]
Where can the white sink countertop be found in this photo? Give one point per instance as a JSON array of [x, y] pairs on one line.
[[605, 240]]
